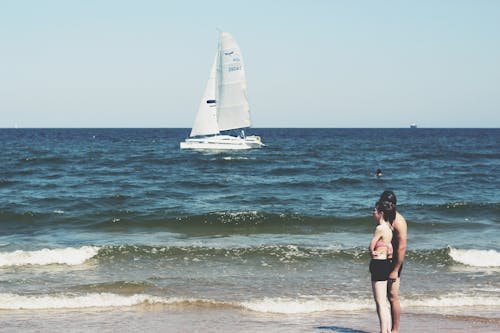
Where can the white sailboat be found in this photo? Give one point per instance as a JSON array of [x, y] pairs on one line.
[[224, 105]]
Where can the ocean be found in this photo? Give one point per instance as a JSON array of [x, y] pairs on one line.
[[118, 229]]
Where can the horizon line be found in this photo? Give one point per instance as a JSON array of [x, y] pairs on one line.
[[272, 127]]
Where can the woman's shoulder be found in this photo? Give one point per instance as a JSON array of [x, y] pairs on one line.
[[383, 227]]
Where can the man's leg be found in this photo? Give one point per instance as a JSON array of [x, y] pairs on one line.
[[393, 293]]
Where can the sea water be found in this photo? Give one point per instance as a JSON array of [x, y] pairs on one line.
[[122, 218]]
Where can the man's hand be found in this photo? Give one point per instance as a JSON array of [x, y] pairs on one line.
[[393, 276]]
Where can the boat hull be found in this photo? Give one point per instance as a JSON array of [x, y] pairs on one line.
[[222, 142]]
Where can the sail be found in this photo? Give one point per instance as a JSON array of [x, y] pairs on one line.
[[206, 119], [233, 110], [224, 105]]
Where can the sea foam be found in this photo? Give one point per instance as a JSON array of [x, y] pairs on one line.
[[453, 301], [297, 306], [266, 305], [476, 258], [293, 306], [66, 256], [94, 300], [15, 302]]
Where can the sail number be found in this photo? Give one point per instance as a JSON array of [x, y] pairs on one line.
[[234, 68]]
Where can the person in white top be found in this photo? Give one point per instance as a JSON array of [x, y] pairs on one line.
[[381, 264]]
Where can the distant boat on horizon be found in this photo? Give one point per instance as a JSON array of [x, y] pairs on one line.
[[224, 105], [413, 125]]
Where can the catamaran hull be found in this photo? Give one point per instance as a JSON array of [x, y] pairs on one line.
[[222, 142]]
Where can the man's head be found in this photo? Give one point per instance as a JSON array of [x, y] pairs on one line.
[[388, 196]]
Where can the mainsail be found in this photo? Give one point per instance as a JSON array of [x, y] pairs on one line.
[[233, 110]]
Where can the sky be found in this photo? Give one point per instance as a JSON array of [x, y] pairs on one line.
[[314, 63]]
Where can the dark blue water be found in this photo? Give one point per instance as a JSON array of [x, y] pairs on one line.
[[126, 211]]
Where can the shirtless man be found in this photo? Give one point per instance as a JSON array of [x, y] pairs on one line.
[[399, 244]]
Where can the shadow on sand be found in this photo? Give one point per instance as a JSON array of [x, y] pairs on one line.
[[339, 329]]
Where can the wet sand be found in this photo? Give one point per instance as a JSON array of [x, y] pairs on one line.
[[196, 319]]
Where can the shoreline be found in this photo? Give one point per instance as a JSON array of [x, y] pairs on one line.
[[200, 319]]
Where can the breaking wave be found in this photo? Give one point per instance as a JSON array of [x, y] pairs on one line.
[[72, 256], [265, 305], [66, 256], [476, 258]]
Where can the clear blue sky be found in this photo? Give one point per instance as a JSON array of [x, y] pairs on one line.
[[309, 63]]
